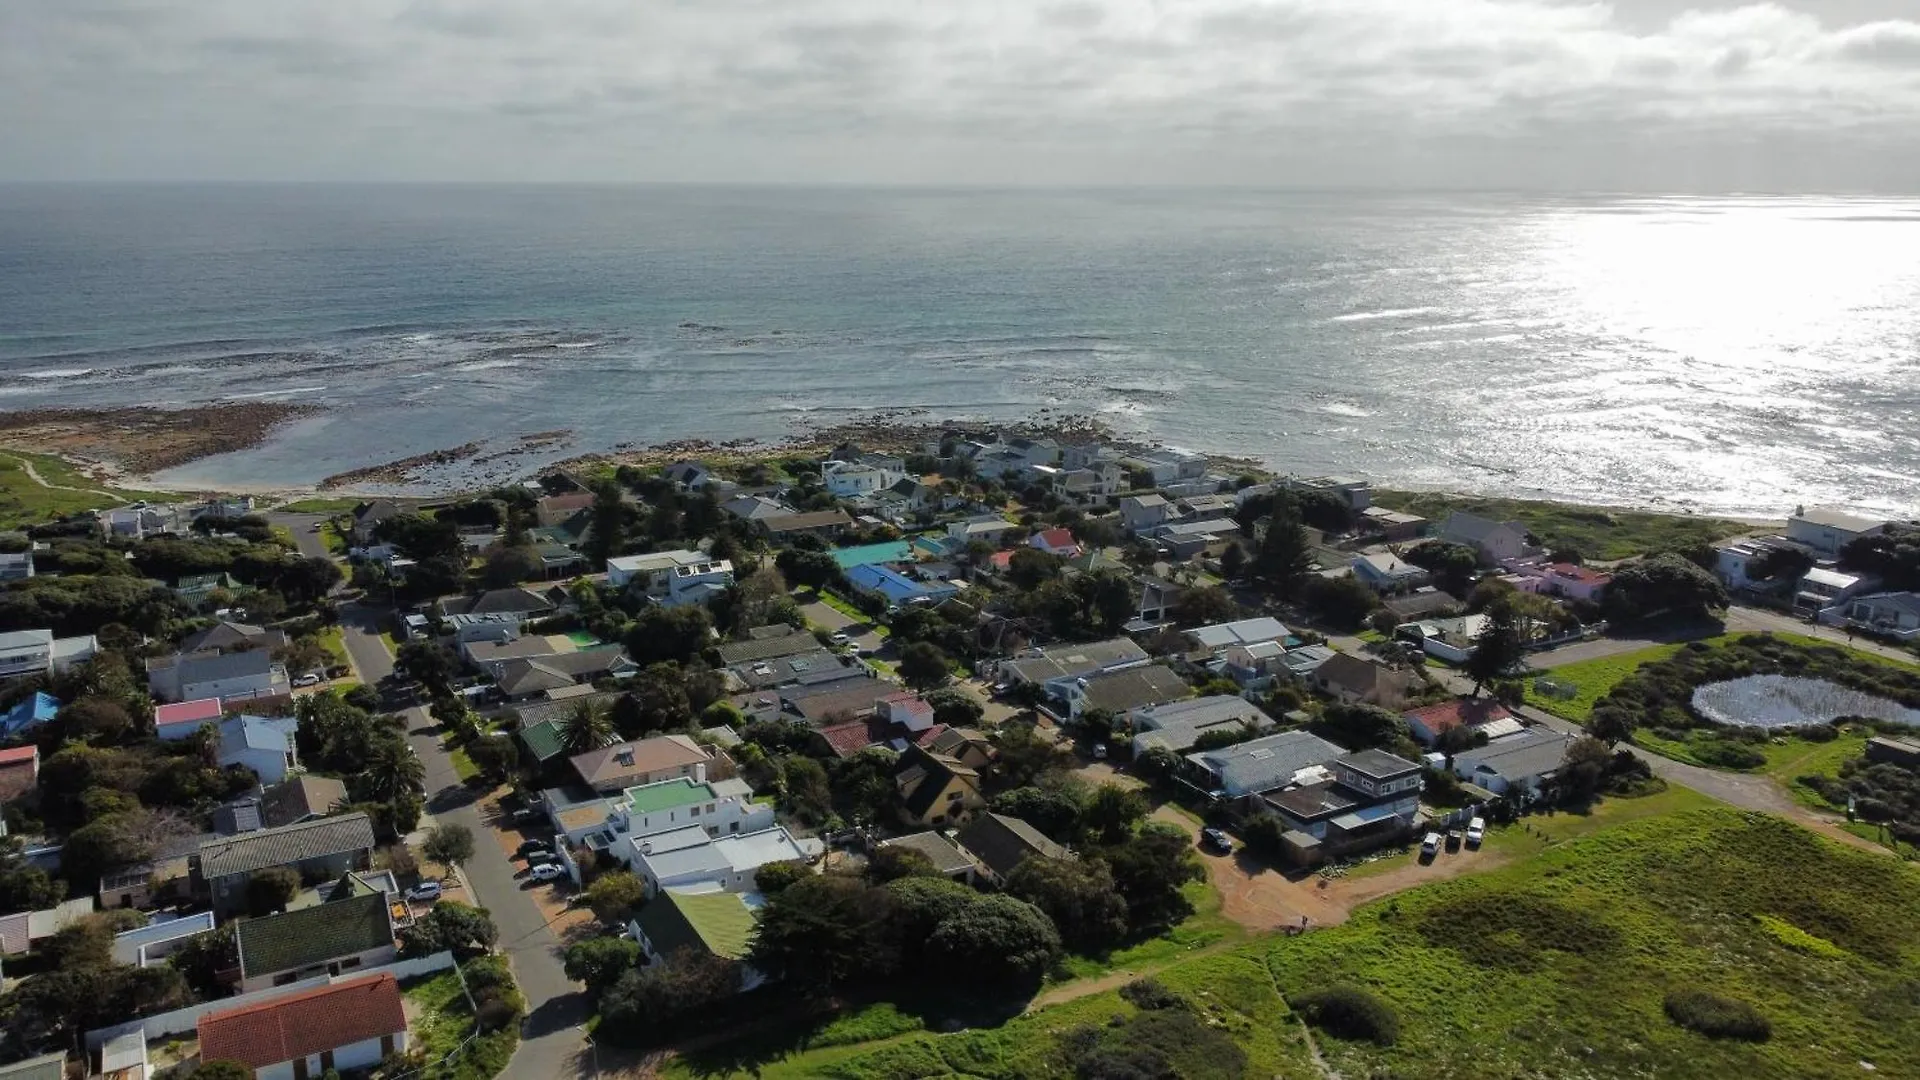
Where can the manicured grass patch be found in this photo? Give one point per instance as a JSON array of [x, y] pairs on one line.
[[318, 506], [1562, 965], [23, 502], [445, 1027], [334, 640], [463, 766], [336, 541], [1590, 681], [1598, 532]]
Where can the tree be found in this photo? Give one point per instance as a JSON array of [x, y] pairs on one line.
[[1453, 565], [585, 728], [306, 581], [1028, 568], [1080, 897], [663, 1001], [1343, 602], [1498, 648], [1664, 585], [615, 897], [1025, 754], [955, 708], [448, 845], [1611, 724], [271, 890], [1285, 558], [1579, 780], [96, 719], [1360, 727], [509, 565], [393, 771], [1233, 561], [421, 537], [431, 663], [863, 786], [599, 962], [814, 569], [997, 940], [804, 790], [496, 756], [660, 696], [226, 1069], [204, 958], [892, 862], [825, 931], [1782, 564], [1112, 812], [1055, 809], [450, 925], [24, 886], [773, 878], [607, 536], [675, 634], [1149, 873], [1892, 555], [1205, 605], [923, 666]]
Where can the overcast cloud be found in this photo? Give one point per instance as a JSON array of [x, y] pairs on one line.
[[1655, 94]]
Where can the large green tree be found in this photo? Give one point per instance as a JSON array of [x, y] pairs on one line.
[[1079, 895], [825, 931], [1499, 647]]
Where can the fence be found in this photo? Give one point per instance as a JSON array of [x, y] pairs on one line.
[[181, 1021]]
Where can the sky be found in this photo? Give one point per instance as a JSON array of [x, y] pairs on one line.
[[1653, 95]]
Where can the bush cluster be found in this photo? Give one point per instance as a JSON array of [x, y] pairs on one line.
[[1348, 1012], [1717, 1017]]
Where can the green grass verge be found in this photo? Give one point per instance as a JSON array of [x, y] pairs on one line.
[[1598, 532], [463, 766], [335, 540], [443, 1024], [318, 505], [841, 605], [1558, 966], [24, 503], [334, 640]]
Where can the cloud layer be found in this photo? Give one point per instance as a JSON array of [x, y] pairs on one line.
[[1283, 91]]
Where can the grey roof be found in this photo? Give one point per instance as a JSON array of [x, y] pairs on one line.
[[1534, 752], [810, 668], [233, 665], [1242, 632], [1178, 725], [237, 817], [1265, 763], [1473, 529], [1840, 519], [45, 1067], [1377, 764], [285, 845], [1903, 601], [228, 635], [299, 798], [1002, 843], [1132, 688], [497, 601], [255, 733], [767, 648], [1074, 660], [943, 853]]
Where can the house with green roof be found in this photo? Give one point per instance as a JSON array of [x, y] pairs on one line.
[[326, 939], [720, 807], [715, 923]]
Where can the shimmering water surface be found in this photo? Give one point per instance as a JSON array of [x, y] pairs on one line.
[[1731, 354]]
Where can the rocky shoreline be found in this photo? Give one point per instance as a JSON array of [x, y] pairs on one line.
[[142, 440]]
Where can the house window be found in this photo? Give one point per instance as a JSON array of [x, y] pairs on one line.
[[693, 812]]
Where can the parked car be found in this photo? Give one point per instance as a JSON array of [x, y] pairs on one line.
[[530, 848], [542, 858], [426, 890], [1431, 845], [1476, 832], [309, 679], [1217, 839], [547, 871], [839, 639], [1453, 839]]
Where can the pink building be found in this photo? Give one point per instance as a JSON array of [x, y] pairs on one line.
[[1565, 579]]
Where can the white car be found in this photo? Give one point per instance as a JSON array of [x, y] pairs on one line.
[[426, 890], [1431, 845], [547, 872], [840, 639], [309, 679], [1476, 832]]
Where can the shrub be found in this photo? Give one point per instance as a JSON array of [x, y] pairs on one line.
[[1717, 1017], [1151, 994], [1348, 1012], [1727, 754]]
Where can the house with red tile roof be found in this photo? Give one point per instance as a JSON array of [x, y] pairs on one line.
[[1432, 721], [1565, 579], [19, 771], [346, 1025], [181, 719], [1056, 542]]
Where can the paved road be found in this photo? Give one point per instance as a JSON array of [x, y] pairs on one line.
[[301, 525], [552, 1041], [862, 632]]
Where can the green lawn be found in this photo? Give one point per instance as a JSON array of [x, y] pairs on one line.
[[23, 502], [1598, 532], [336, 541], [463, 766], [1206, 928], [334, 640], [1591, 679], [318, 505], [1558, 966], [444, 1025]]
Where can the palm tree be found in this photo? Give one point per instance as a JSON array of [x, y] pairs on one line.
[[585, 729], [393, 771]]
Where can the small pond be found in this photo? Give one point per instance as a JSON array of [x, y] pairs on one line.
[[1772, 701]]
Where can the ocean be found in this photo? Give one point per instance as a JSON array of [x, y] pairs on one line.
[[1737, 355]]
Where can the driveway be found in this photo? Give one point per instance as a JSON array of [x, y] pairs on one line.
[[835, 621], [301, 526], [1253, 894]]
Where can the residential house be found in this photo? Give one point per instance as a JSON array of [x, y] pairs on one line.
[[1393, 526], [1565, 580], [44, 1067], [672, 577], [825, 524], [227, 636], [1496, 542], [554, 510], [521, 603], [767, 643], [150, 945], [19, 930], [28, 713], [886, 551], [1371, 799], [613, 769], [1452, 640], [1522, 762], [691, 860], [1052, 666], [19, 771], [1120, 692], [140, 520], [197, 590], [1254, 667], [1167, 465], [991, 528], [1892, 614], [1820, 589], [1303, 662], [489, 651], [1385, 572], [1094, 484], [1894, 750], [540, 719], [908, 496], [319, 850], [16, 566], [263, 744], [532, 677], [817, 668], [238, 815], [898, 588], [1154, 608], [854, 479], [999, 844], [1828, 531], [164, 879], [968, 746], [25, 653], [325, 939], [339, 1027], [1087, 455], [1422, 602], [471, 630], [692, 475], [1351, 679], [1178, 725], [1356, 493], [935, 790], [231, 675], [754, 509], [722, 807], [1142, 513], [300, 798], [946, 856], [712, 923], [1058, 542], [1484, 715], [1735, 562], [1260, 765], [1198, 537], [1220, 637], [368, 516]]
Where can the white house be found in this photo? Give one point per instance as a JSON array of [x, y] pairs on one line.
[[1495, 541], [1895, 614], [991, 528], [715, 923], [1523, 761], [851, 479], [672, 577], [38, 652], [1820, 589], [688, 858], [1058, 542], [16, 566], [149, 945], [1168, 464], [234, 675], [182, 719], [1095, 483], [263, 744], [721, 807], [354, 1024], [1178, 725], [1222, 636], [1827, 531], [1734, 562], [1139, 513], [1385, 572], [1564, 579]]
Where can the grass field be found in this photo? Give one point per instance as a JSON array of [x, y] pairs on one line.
[[1558, 966], [1206, 928], [334, 640], [23, 502], [1591, 679], [1598, 532], [318, 506]]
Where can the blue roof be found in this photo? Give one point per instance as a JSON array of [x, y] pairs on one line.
[[896, 586], [868, 554], [254, 733], [32, 712]]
